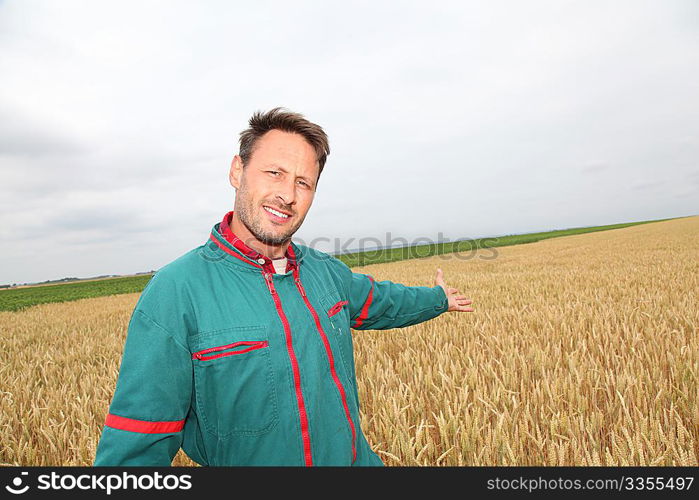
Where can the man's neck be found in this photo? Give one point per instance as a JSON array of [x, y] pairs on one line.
[[242, 232]]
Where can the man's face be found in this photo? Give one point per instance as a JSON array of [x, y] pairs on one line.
[[281, 174]]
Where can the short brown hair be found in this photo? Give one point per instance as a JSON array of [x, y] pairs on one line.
[[287, 121]]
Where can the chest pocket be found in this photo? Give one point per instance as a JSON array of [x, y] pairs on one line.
[[336, 314], [234, 381]]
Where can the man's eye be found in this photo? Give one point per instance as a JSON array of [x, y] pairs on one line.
[[304, 183], [273, 171]]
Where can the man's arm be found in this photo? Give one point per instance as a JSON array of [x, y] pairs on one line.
[[379, 305], [151, 400]]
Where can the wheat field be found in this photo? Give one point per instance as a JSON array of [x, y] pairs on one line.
[[582, 350]]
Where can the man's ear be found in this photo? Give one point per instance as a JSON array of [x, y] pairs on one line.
[[236, 173]]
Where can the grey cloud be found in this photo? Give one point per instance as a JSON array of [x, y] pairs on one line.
[[25, 137], [108, 220], [646, 185], [84, 224], [595, 168], [693, 177]]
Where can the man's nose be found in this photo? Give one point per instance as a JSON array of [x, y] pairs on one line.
[[286, 192]]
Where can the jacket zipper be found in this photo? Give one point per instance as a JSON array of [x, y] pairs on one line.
[[331, 360], [257, 344], [295, 369]]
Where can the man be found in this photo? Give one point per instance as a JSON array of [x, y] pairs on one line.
[[240, 351]]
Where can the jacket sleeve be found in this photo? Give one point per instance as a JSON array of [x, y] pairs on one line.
[[151, 399], [379, 305]]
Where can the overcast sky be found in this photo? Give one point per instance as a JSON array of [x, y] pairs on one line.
[[118, 120]]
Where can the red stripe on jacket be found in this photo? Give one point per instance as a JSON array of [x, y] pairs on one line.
[[365, 310], [143, 426], [303, 416], [231, 252]]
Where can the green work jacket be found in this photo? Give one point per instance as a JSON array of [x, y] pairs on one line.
[[238, 365]]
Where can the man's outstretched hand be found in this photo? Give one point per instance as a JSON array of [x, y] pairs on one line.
[[456, 302]]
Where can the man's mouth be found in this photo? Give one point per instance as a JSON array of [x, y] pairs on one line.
[[276, 215]]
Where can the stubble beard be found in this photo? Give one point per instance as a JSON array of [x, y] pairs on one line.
[[247, 215]]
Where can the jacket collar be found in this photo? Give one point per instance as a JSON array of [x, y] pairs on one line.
[[222, 234]]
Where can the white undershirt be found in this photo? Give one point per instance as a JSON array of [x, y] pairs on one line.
[[279, 265]]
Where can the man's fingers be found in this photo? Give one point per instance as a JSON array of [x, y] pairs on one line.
[[456, 302], [464, 309]]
